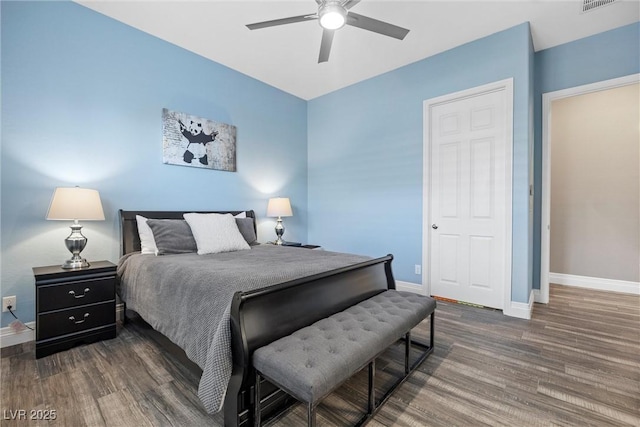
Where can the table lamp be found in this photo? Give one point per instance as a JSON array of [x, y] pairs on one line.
[[75, 204], [279, 207]]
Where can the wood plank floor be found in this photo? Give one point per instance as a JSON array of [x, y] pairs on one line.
[[576, 363]]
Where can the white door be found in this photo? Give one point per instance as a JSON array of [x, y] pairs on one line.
[[468, 170]]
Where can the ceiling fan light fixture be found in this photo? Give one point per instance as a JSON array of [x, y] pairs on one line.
[[332, 15]]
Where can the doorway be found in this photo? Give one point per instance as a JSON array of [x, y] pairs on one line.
[[467, 195], [545, 267]]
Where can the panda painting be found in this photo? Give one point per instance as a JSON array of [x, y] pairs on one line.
[[196, 148], [193, 141]]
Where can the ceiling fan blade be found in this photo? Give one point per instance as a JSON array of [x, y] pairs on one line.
[[325, 45], [283, 21], [350, 3], [376, 26]]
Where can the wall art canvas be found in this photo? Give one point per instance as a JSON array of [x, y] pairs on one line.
[[189, 140]]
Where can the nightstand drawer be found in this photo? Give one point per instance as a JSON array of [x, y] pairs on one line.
[[72, 294], [78, 319]]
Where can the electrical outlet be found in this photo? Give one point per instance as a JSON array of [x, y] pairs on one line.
[[9, 301], [418, 269]]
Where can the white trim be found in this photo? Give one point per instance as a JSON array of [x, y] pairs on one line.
[[545, 222], [537, 296], [416, 288], [598, 283], [9, 337], [521, 310], [507, 86]]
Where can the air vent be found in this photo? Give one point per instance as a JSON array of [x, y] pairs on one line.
[[589, 5]]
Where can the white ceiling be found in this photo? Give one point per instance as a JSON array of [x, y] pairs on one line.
[[286, 56]]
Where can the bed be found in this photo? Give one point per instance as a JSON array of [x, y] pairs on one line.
[[219, 308]]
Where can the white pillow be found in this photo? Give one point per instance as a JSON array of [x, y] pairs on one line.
[[241, 215], [215, 233], [147, 242]]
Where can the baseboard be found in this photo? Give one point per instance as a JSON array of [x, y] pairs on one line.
[[521, 310], [9, 337], [596, 283], [410, 287], [538, 297]]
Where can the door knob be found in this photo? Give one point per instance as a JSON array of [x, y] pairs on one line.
[[434, 226]]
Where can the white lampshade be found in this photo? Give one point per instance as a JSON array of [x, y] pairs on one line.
[[75, 203], [279, 206]]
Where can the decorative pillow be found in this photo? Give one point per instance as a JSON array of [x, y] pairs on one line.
[[245, 225], [215, 233], [241, 215], [172, 236], [147, 243]]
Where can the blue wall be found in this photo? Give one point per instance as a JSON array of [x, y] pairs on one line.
[[365, 153], [82, 97], [604, 56]]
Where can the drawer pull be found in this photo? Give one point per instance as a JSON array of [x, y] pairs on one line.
[[77, 322], [79, 296]]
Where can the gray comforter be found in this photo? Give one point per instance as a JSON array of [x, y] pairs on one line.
[[187, 298]]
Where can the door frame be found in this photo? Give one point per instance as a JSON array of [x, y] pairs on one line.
[[502, 85], [545, 220]]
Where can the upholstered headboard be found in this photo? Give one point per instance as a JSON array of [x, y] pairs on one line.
[[129, 227]]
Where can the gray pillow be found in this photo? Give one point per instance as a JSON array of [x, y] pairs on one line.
[[172, 236], [245, 225]]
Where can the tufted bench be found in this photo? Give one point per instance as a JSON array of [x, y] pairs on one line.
[[313, 361]]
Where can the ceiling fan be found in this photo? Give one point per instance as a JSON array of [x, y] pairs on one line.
[[333, 15]]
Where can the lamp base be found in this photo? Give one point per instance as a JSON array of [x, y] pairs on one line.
[[279, 231], [74, 263], [75, 243]]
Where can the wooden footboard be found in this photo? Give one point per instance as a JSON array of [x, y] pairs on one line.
[[262, 316]]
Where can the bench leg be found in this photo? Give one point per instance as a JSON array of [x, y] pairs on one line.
[[256, 406], [432, 320], [311, 415], [372, 387], [407, 350]]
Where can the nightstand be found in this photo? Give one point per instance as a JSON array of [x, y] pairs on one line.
[[74, 306], [297, 245]]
